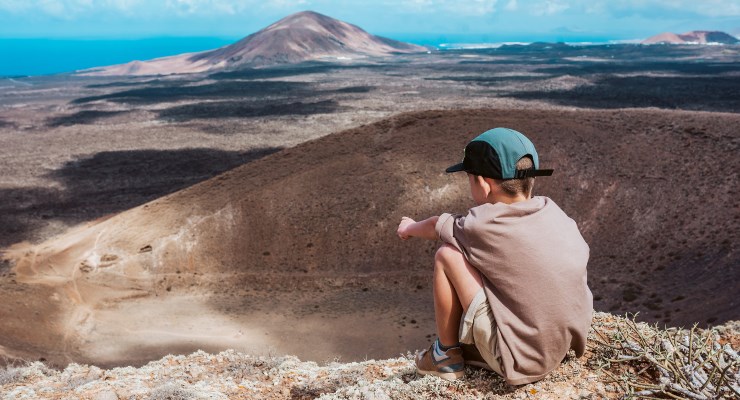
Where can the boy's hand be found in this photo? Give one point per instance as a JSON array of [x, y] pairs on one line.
[[402, 227]]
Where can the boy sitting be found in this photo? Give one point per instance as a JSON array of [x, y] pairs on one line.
[[510, 291]]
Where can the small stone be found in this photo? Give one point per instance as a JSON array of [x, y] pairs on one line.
[[108, 258], [106, 394]]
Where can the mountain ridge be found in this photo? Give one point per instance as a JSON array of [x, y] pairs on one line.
[[299, 37], [692, 37]]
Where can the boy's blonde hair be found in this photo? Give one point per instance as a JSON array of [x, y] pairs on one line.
[[524, 186]]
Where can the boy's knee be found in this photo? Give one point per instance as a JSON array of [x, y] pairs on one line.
[[446, 253]]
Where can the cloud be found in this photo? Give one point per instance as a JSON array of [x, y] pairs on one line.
[[656, 8], [66, 9], [446, 10], [63, 9], [285, 3], [549, 7], [14, 6], [710, 8], [69, 9], [455, 7], [211, 7]]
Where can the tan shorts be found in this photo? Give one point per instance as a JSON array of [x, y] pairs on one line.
[[478, 327]]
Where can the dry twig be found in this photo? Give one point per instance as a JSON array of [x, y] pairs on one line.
[[674, 363]]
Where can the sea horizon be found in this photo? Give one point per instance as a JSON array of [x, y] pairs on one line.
[[26, 57]]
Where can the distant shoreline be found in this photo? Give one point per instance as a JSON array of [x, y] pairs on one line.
[[23, 57], [31, 57], [35, 57], [495, 45]]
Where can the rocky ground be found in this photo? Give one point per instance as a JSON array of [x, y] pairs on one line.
[[606, 371]]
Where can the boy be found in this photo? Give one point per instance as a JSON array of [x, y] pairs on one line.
[[510, 291]]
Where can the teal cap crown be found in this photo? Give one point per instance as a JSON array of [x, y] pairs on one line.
[[494, 154], [510, 146]]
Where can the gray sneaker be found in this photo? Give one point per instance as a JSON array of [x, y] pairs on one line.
[[449, 366], [473, 358]]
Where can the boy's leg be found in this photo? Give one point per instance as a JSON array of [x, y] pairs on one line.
[[456, 283]]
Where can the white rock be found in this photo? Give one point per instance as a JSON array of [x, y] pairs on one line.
[[106, 394]]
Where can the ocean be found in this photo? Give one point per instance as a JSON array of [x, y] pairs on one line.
[[28, 57]]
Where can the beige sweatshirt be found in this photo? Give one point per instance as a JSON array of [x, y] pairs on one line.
[[533, 260]]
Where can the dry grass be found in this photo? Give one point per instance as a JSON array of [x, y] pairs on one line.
[[647, 362], [10, 375], [11, 370]]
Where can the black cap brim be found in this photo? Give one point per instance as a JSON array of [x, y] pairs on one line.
[[455, 168], [530, 173], [543, 172]]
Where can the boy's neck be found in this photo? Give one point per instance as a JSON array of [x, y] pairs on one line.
[[502, 198]]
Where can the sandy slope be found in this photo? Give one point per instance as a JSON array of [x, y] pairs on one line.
[[296, 252]]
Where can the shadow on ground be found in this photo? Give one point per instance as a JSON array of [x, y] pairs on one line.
[[110, 182], [280, 71], [134, 82], [291, 70], [178, 91], [536, 53], [689, 68], [81, 117], [246, 109], [490, 80], [698, 93]]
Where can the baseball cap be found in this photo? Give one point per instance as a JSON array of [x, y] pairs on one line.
[[494, 154]]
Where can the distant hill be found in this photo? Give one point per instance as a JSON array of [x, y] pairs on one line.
[[693, 37], [299, 37]]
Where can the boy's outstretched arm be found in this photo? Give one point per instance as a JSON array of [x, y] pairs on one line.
[[423, 229]]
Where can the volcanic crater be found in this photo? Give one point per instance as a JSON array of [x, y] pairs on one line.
[[297, 250]]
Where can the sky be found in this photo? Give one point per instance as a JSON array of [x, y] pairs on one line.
[[412, 20]]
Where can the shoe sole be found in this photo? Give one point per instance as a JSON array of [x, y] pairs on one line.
[[448, 376], [479, 364]]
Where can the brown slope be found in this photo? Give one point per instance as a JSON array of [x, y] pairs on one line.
[[309, 232], [700, 37], [299, 37]]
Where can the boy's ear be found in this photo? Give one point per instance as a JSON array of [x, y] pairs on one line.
[[483, 181], [489, 181], [480, 180]]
